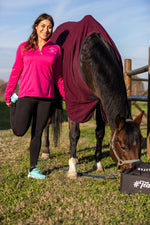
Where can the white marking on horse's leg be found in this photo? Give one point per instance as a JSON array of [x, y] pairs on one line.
[[45, 155], [72, 173], [98, 166]]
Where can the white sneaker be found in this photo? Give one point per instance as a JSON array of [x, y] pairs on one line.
[[35, 173]]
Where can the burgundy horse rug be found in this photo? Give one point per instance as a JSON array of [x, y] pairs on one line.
[[70, 36]]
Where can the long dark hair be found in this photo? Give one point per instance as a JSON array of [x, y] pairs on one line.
[[32, 41]]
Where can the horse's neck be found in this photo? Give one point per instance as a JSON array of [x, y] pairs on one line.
[[115, 105], [112, 95], [103, 75]]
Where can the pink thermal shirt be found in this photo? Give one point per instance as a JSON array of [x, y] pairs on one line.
[[37, 71]]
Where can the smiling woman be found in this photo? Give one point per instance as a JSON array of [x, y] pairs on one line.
[[38, 69], [44, 31]]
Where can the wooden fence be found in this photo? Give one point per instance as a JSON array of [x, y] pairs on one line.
[[129, 76]]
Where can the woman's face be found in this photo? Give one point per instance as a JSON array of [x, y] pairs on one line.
[[44, 30]]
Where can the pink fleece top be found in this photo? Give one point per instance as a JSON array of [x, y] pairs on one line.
[[36, 71]]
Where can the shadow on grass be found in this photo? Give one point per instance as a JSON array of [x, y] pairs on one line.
[[105, 153], [49, 171]]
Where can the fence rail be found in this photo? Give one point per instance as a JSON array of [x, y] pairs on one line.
[[138, 71], [128, 78]]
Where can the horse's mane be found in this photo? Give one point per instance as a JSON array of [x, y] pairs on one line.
[[104, 76]]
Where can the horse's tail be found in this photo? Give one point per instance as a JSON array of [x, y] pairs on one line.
[[56, 120]]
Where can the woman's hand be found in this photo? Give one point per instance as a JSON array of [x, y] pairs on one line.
[[8, 104]]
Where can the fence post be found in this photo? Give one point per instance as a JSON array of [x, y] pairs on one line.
[[148, 110], [127, 68]]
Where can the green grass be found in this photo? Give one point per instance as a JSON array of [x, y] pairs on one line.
[[57, 199], [4, 116]]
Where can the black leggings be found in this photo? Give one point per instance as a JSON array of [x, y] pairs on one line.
[[21, 113]]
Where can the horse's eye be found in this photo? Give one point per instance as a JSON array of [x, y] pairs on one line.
[[123, 148]]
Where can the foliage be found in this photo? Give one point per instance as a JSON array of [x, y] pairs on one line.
[[57, 199], [4, 116]]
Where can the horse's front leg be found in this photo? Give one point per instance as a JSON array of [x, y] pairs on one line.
[[74, 134], [46, 151], [99, 132]]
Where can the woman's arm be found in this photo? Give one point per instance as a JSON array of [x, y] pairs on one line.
[[58, 75], [15, 74]]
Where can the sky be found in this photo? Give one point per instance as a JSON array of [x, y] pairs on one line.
[[126, 21]]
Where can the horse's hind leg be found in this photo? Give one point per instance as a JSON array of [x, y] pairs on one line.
[[100, 131], [74, 134], [46, 151]]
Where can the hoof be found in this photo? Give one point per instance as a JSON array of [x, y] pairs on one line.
[[45, 156], [72, 175], [98, 167]]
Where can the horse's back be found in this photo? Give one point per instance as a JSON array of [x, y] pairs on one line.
[[71, 37]]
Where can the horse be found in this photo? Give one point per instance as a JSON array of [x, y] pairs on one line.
[[95, 62]]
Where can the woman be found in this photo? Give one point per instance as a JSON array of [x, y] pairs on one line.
[[37, 68]]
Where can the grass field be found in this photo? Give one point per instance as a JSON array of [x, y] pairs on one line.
[[57, 199]]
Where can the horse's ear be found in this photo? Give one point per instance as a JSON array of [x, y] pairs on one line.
[[120, 122], [138, 119]]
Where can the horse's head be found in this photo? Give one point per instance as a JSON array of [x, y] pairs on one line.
[[126, 142]]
